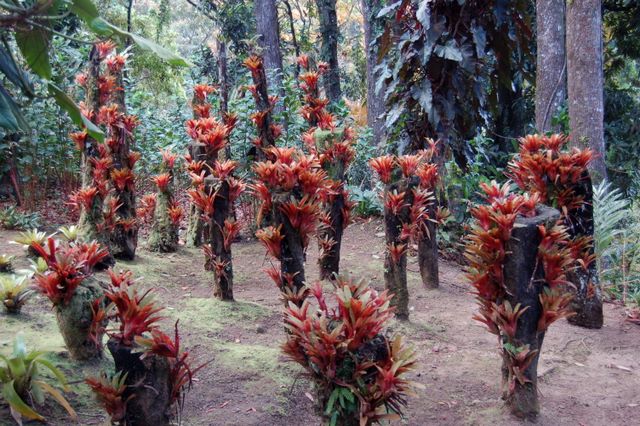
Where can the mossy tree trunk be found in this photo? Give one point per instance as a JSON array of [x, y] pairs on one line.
[[124, 239], [92, 220], [428, 251], [75, 318], [524, 279], [196, 224], [292, 247], [329, 263]]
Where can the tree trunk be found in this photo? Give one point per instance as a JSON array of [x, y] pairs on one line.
[[124, 239], [329, 263], [196, 227], [428, 252], [292, 247], [375, 100], [586, 80], [149, 385], [329, 49], [551, 68], [521, 269], [395, 270], [223, 286], [294, 38], [91, 219], [587, 302], [268, 30]]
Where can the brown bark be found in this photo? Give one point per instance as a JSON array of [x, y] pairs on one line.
[[329, 50], [524, 278], [586, 80], [428, 253], [268, 29], [551, 74], [329, 263], [223, 288], [587, 302], [375, 100], [395, 272], [292, 247], [163, 237]]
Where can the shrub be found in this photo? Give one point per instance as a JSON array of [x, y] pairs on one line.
[[21, 382], [12, 218], [357, 370], [6, 263], [14, 292]]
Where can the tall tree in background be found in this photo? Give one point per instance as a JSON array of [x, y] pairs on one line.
[[268, 30], [329, 52], [375, 99], [585, 77], [551, 75]]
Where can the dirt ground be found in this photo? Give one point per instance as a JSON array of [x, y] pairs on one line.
[[587, 377]]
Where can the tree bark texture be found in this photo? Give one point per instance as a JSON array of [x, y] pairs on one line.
[[428, 252], [268, 29], [524, 278], [91, 219], [329, 263], [395, 270], [292, 247], [196, 225], [124, 239], [149, 385], [329, 50], [586, 80], [587, 301], [223, 285], [551, 67], [375, 100], [163, 237]]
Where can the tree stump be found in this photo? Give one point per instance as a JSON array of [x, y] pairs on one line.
[[524, 279], [75, 318], [149, 385]]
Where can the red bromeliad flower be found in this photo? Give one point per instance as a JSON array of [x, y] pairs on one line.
[[79, 139], [303, 61], [116, 63], [136, 313], [133, 158], [396, 251], [254, 64], [104, 48], [384, 166], [122, 178], [272, 238], [236, 187], [202, 111], [109, 115], [110, 394], [175, 214], [408, 164], [162, 181], [222, 170], [168, 158], [81, 79], [310, 79], [395, 202], [83, 198], [202, 91], [230, 120], [230, 231], [203, 200]]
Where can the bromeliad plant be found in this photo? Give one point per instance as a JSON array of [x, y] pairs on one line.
[[22, 383], [559, 177], [408, 210], [15, 291], [152, 372], [333, 147], [488, 247], [167, 212], [357, 370], [6, 263], [213, 194], [68, 284], [28, 238], [201, 107], [290, 186]]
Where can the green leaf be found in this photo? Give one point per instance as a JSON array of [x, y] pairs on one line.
[[11, 117], [34, 45], [73, 110], [14, 73], [56, 372], [332, 400], [58, 397], [86, 10], [16, 403]]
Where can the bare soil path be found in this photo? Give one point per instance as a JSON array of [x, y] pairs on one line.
[[587, 377]]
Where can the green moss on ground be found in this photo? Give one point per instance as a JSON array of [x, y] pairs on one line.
[[213, 315]]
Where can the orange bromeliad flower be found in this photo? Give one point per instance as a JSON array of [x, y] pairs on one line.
[[408, 164], [175, 214], [303, 61], [133, 158], [79, 139], [104, 48], [384, 167], [122, 178], [254, 64], [201, 91], [116, 63], [168, 158], [83, 198], [162, 181], [272, 238]]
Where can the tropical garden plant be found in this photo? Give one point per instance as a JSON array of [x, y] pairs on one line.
[[23, 384], [15, 291], [167, 212]]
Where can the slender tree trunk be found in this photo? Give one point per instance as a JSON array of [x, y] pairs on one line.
[[329, 51], [586, 80], [223, 75], [268, 30], [551, 74], [375, 100], [294, 39]]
